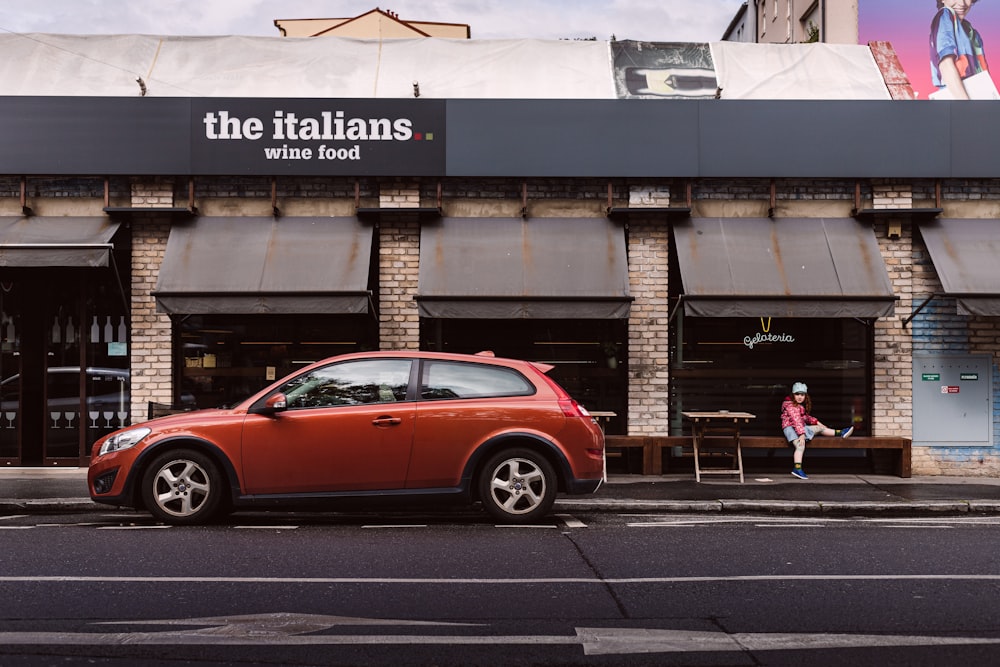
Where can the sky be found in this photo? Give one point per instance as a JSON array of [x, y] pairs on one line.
[[643, 20]]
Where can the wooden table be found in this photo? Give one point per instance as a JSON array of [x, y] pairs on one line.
[[602, 417], [724, 428]]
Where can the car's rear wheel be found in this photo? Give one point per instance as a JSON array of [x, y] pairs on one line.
[[517, 486], [183, 487]]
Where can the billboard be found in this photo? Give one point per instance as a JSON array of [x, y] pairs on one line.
[[921, 30], [651, 70]]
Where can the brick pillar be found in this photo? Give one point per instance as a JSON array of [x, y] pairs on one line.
[[399, 265], [399, 195], [152, 193], [649, 362], [151, 349], [151, 345], [893, 410]]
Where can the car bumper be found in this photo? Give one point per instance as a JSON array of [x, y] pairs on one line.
[[576, 487]]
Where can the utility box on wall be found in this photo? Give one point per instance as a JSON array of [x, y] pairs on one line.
[[952, 400]]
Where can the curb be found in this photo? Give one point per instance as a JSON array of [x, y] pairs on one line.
[[47, 505]]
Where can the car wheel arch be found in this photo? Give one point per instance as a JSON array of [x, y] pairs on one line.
[[518, 440], [206, 447]]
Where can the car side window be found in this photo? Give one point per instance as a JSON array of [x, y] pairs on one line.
[[450, 379], [350, 383]]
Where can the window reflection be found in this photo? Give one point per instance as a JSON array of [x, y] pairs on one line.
[[444, 379], [349, 383]]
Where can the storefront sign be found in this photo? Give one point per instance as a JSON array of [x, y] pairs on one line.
[[319, 137], [765, 335]]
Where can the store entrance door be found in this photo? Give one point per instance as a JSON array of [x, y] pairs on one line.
[[63, 364]]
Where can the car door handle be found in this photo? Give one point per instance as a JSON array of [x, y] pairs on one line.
[[387, 421]]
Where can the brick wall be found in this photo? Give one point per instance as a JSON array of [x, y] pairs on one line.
[[893, 402], [649, 374], [151, 357], [399, 265], [151, 347]]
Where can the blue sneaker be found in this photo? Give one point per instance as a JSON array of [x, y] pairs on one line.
[[846, 433], [800, 473]]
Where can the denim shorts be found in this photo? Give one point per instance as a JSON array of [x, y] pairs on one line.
[[791, 435]]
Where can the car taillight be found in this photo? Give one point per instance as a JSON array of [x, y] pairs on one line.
[[571, 408]]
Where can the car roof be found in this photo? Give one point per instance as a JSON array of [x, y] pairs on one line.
[[485, 357]]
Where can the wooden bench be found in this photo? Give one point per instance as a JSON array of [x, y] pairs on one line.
[[652, 447]]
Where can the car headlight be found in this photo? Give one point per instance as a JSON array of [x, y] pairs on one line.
[[124, 440]]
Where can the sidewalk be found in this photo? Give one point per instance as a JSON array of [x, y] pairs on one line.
[[54, 490]]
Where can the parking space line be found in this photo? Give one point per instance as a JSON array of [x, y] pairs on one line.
[[570, 521]]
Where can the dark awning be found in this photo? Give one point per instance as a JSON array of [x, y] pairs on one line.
[[252, 265], [787, 267], [966, 256], [512, 268], [56, 241]]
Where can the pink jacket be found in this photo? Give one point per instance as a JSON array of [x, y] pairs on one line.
[[794, 414]]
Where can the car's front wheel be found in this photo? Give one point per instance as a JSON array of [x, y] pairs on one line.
[[183, 487], [517, 486]]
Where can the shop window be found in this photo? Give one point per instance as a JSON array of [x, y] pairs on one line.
[[749, 364], [224, 359], [589, 357]]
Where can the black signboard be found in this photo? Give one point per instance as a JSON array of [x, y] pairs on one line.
[[505, 138], [216, 136]]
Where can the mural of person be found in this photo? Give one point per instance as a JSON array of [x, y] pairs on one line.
[[956, 49]]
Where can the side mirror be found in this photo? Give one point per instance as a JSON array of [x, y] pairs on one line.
[[272, 405]]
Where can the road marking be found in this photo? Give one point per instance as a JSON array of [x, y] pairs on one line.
[[500, 582], [284, 629], [712, 521], [155, 527], [397, 525], [524, 526], [13, 516], [265, 527], [880, 522], [15, 527], [570, 521]]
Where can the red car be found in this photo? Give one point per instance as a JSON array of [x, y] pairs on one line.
[[417, 424]]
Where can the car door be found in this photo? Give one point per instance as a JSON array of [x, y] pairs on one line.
[[348, 427], [463, 405]]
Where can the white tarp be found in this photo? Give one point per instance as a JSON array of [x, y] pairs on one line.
[[334, 67], [797, 72], [102, 65]]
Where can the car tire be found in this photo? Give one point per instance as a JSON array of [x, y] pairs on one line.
[[517, 486], [183, 487]]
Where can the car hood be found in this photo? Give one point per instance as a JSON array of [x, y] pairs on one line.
[[192, 416]]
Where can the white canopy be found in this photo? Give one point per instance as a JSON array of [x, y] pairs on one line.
[[797, 72], [276, 67]]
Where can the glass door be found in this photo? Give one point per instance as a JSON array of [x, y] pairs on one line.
[[61, 318], [10, 374]]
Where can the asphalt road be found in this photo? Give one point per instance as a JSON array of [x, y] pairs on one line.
[[114, 588]]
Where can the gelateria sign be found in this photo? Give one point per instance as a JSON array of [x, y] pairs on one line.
[[765, 335]]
